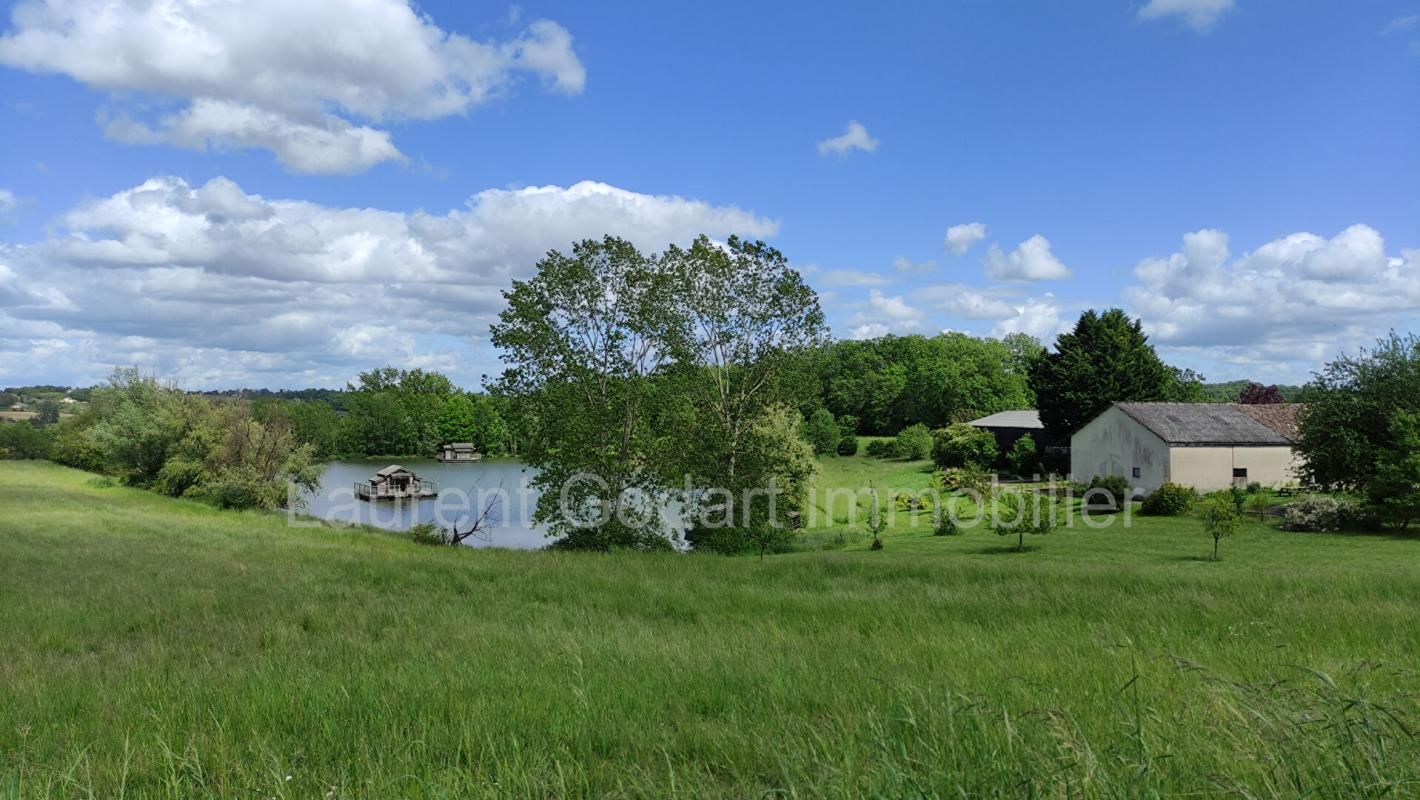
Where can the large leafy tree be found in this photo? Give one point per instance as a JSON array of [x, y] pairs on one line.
[[1257, 394], [584, 340], [1106, 358], [316, 423], [1352, 406], [456, 421], [1186, 386], [391, 411], [863, 380], [741, 314], [491, 431], [377, 423], [779, 458], [892, 382], [1395, 490]]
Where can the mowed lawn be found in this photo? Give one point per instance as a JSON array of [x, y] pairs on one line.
[[159, 648]]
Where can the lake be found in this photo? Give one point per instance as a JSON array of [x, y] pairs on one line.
[[463, 490]]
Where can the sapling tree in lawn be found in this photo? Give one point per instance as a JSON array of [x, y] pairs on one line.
[[877, 521], [1014, 513], [1259, 502], [1220, 519]]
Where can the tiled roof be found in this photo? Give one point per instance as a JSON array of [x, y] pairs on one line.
[[1217, 423], [1285, 418]]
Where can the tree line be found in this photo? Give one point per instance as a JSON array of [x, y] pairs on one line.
[[149, 434], [703, 373]]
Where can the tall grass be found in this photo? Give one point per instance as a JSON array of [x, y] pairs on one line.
[[159, 648]]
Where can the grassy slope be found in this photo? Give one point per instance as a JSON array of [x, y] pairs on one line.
[[157, 647]]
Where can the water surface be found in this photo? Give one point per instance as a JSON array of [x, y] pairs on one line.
[[463, 489]]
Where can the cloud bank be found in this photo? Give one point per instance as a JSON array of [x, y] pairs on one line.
[[298, 79], [215, 286]]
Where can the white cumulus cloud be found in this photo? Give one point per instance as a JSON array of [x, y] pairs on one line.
[[1302, 298], [1032, 260], [894, 307], [293, 78], [1037, 316], [1200, 15], [960, 238], [963, 301], [883, 314], [855, 137]]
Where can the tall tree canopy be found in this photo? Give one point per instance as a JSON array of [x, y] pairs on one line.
[[650, 371], [1352, 409], [583, 340], [1106, 358], [893, 382], [741, 313]]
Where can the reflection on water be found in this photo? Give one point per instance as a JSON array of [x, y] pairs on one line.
[[464, 490]]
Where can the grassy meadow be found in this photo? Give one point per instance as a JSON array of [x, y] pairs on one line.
[[160, 648]]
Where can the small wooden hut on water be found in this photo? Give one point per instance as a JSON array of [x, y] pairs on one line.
[[395, 483], [458, 451]]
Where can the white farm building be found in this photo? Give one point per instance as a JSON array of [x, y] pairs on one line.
[[1207, 446]]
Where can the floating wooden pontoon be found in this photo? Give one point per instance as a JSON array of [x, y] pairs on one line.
[[395, 483], [458, 451]]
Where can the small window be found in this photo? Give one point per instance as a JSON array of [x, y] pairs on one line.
[[1239, 472], [1138, 473]]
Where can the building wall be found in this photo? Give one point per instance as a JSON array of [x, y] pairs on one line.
[[1210, 468], [1114, 444]]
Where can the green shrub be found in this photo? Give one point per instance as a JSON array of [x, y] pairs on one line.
[[23, 440], [1321, 513], [1169, 500], [821, 431], [911, 501], [848, 445], [737, 540], [1238, 495], [882, 448], [179, 475], [946, 526], [1022, 457], [427, 533], [1108, 492], [914, 442], [955, 479], [962, 445], [240, 487]]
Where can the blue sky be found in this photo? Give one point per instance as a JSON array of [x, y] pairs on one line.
[[279, 197]]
